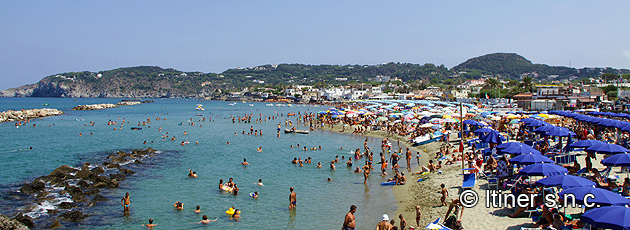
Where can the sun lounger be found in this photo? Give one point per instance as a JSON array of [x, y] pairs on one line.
[[469, 180]]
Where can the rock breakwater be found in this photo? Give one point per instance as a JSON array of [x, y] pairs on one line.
[[66, 194], [25, 114]]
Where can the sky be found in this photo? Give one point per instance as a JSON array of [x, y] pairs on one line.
[[42, 38]]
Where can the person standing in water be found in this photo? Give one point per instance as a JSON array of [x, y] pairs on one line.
[[125, 202], [292, 199], [349, 223]]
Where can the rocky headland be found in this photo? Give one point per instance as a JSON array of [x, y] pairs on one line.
[[25, 114], [109, 105]]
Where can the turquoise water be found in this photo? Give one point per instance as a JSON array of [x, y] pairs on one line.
[[162, 179]]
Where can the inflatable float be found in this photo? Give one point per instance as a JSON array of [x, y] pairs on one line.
[[231, 212]]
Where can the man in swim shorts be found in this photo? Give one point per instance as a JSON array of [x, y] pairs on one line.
[[292, 199], [349, 223]]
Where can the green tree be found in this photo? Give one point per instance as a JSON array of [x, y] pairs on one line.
[[492, 83], [527, 83]]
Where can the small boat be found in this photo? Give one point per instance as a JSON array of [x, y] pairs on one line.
[[45, 104], [302, 131], [251, 104], [232, 104], [269, 104], [289, 130], [200, 107], [136, 128], [200, 115], [290, 114]]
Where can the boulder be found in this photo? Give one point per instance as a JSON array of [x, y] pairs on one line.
[[99, 198], [67, 205], [100, 185], [113, 184], [62, 171], [137, 161], [6, 223], [92, 192], [74, 216], [119, 159], [84, 173], [24, 219], [74, 190], [54, 224], [118, 177], [113, 166], [127, 171], [84, 184], [98, 170], [32, 188]]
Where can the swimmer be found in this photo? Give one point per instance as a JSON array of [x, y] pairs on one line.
[[255, 194], [260, 183], [198, 210], [192, 174], [236, 215], [205, 220], [179, 205], [319, 164], [259, 149], [150, 225], [245, 162], [228, 142]]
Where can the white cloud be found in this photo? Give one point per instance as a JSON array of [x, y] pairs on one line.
[[626, 54]]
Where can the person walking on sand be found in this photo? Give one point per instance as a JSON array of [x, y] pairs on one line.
[[444, 193], [403, 222], [125, 202], [418, 215], [292, 199], [349, 223]]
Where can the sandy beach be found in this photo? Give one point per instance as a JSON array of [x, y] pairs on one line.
[[425, 193]]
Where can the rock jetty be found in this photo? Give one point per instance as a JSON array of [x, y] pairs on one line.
[[26, 114], [94, 107], [81, 184], [107, 106]]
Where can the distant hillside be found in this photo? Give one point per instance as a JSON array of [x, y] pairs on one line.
[[511, 65], [157, 82]]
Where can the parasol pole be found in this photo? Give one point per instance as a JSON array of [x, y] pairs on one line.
[[461, 130]]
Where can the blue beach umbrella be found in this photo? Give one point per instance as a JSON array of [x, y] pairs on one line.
[[510, 145], [520, 149], [529, 159], [607, 148], [493, 137], [560, 132], [611, 217], [544, 129], [543, 169], [565, 181], [586, 143], [617, 160], [482, 131], [601, 196]]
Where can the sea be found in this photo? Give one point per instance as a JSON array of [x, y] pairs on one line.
[[162, 179]]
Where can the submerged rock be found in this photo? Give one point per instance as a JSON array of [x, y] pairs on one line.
[[67, 205], [24, 219], [118, 177], [127, 171], [54, 224], [83, 173], [74, 216]]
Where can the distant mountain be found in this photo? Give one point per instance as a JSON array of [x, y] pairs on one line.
[[511, 65], [157, 82]]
